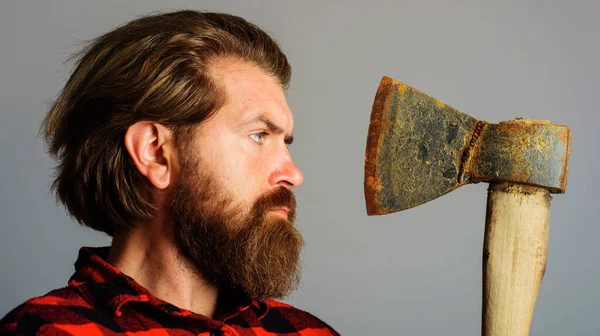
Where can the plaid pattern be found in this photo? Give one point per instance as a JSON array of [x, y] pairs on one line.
[[100, 300]]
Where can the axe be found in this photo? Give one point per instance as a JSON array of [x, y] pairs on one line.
[[419, 148]]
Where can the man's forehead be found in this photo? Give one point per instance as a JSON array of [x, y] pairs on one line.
[[253, 95]]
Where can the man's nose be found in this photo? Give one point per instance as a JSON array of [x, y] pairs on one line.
[[287, 175]]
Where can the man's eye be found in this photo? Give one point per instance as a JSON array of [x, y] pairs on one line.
[[258, 137]]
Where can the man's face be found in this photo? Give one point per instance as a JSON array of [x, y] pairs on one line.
[[245, 144], [232, 205]]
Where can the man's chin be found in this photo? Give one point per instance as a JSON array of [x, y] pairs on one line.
[[272, 269]]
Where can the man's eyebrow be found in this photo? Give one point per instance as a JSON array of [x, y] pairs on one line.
[[273, 128]]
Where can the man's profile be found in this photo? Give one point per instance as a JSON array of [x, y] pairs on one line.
[[171, 136]]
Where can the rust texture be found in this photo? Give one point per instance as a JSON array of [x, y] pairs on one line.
[[414, 148], [374, 142], [465, 176], [419, 148], [531, 152]]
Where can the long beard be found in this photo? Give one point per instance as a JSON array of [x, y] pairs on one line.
[[232, 246]]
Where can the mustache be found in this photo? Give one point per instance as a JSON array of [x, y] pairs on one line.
[[281, 197]]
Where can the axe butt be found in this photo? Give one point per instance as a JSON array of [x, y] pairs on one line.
[[514, 256]]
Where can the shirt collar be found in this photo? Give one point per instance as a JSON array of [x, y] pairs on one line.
[[105, 287]]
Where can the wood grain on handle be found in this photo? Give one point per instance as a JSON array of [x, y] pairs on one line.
[[514, 256]]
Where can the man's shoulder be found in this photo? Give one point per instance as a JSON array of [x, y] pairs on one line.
[[298, 319], [60, 307]]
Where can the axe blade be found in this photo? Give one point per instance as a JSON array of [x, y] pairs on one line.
[[414, 148]]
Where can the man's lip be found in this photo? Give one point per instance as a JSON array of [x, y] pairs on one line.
[[281, 211]]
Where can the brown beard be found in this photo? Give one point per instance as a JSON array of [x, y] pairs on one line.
[[254, 251]]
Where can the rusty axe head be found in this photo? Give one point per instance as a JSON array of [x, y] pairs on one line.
[[419, 148]]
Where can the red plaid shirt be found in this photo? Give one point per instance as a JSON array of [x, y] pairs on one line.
[[100, 300]]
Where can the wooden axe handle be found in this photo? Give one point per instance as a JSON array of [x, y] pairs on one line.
[[514, 256]]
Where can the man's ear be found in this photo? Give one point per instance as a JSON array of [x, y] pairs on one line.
[[151, 148]]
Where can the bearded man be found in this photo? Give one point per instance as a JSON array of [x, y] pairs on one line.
[[172, 136]]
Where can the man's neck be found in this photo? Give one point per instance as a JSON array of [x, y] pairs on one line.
[[154, 261]]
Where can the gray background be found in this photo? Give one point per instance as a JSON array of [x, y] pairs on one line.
[[413, 273]]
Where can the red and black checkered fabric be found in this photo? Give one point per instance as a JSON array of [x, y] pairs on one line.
[[100, 300]]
